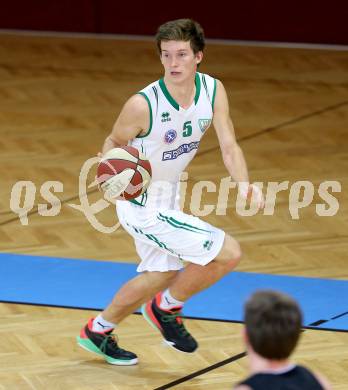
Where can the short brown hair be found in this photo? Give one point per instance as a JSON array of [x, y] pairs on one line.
[[181, 30], [273, 324]]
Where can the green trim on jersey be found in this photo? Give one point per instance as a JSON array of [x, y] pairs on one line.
[[180, 225], [214, 93], [170, 98], [205, 85], [155, 92], [168, 95], [207, 91], [198, 87], [149, 104]]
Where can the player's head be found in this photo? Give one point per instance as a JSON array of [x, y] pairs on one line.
[[180, 44], [186, 30], [273, 324]]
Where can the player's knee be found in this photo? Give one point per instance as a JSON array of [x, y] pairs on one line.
[[236, 253], [236, 256], [230, 253]]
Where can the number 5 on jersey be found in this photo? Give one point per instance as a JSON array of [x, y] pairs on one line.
[[187, 130]]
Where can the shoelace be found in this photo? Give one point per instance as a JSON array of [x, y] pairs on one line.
[[110, 339], [174, 317]]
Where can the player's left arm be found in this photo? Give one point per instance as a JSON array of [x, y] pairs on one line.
[[232, 154]]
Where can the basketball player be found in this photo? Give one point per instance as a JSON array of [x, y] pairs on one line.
[[166, 121], [272, 330]]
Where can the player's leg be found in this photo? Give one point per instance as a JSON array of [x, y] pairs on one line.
[[211, 253], [196, 278], [130, 296], [158, 270], [135, 292]]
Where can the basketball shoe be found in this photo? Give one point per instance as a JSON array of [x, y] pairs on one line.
[[105, 344], [170, 324]]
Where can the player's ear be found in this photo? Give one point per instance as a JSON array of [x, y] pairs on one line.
[[199, 57]]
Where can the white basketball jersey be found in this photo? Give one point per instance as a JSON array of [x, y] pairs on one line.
[[173, 138]]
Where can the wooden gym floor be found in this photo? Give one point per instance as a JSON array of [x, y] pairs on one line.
[[59, 97]]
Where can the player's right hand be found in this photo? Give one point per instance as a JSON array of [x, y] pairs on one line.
[[252, 193]]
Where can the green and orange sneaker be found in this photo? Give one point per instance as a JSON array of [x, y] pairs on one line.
[[104, 344], [170, 324]]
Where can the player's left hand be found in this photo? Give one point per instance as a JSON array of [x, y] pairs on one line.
[[252, 193]]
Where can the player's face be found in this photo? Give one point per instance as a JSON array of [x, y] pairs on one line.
[[179, 60]]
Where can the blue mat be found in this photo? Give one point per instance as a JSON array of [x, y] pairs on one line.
[[91, 285]]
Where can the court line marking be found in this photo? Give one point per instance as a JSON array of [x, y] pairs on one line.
[[281, 125], [202, 371], [339, 315], [319, 322]]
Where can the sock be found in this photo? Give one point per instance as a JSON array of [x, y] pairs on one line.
[[168, 301], [101, 325]]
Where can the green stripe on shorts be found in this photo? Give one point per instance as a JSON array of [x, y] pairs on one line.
[[180, 225], [155, 239]]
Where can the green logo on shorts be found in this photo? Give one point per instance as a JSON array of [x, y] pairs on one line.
[[207, 244]]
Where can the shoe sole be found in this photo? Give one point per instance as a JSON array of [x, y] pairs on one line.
[[167, 342], [87, 345]]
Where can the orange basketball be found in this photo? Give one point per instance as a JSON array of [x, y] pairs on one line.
[[124, 173]]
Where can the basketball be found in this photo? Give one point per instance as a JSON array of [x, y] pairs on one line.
[[124, 173]]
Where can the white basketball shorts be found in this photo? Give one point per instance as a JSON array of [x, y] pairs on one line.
[[166, 238]]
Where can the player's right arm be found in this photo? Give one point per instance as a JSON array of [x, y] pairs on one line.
[[133, 120]]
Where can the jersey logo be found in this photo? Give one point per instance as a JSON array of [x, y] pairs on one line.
[[170, 136], [165, 117], [208, 244], [204, 124], [184, 148]]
